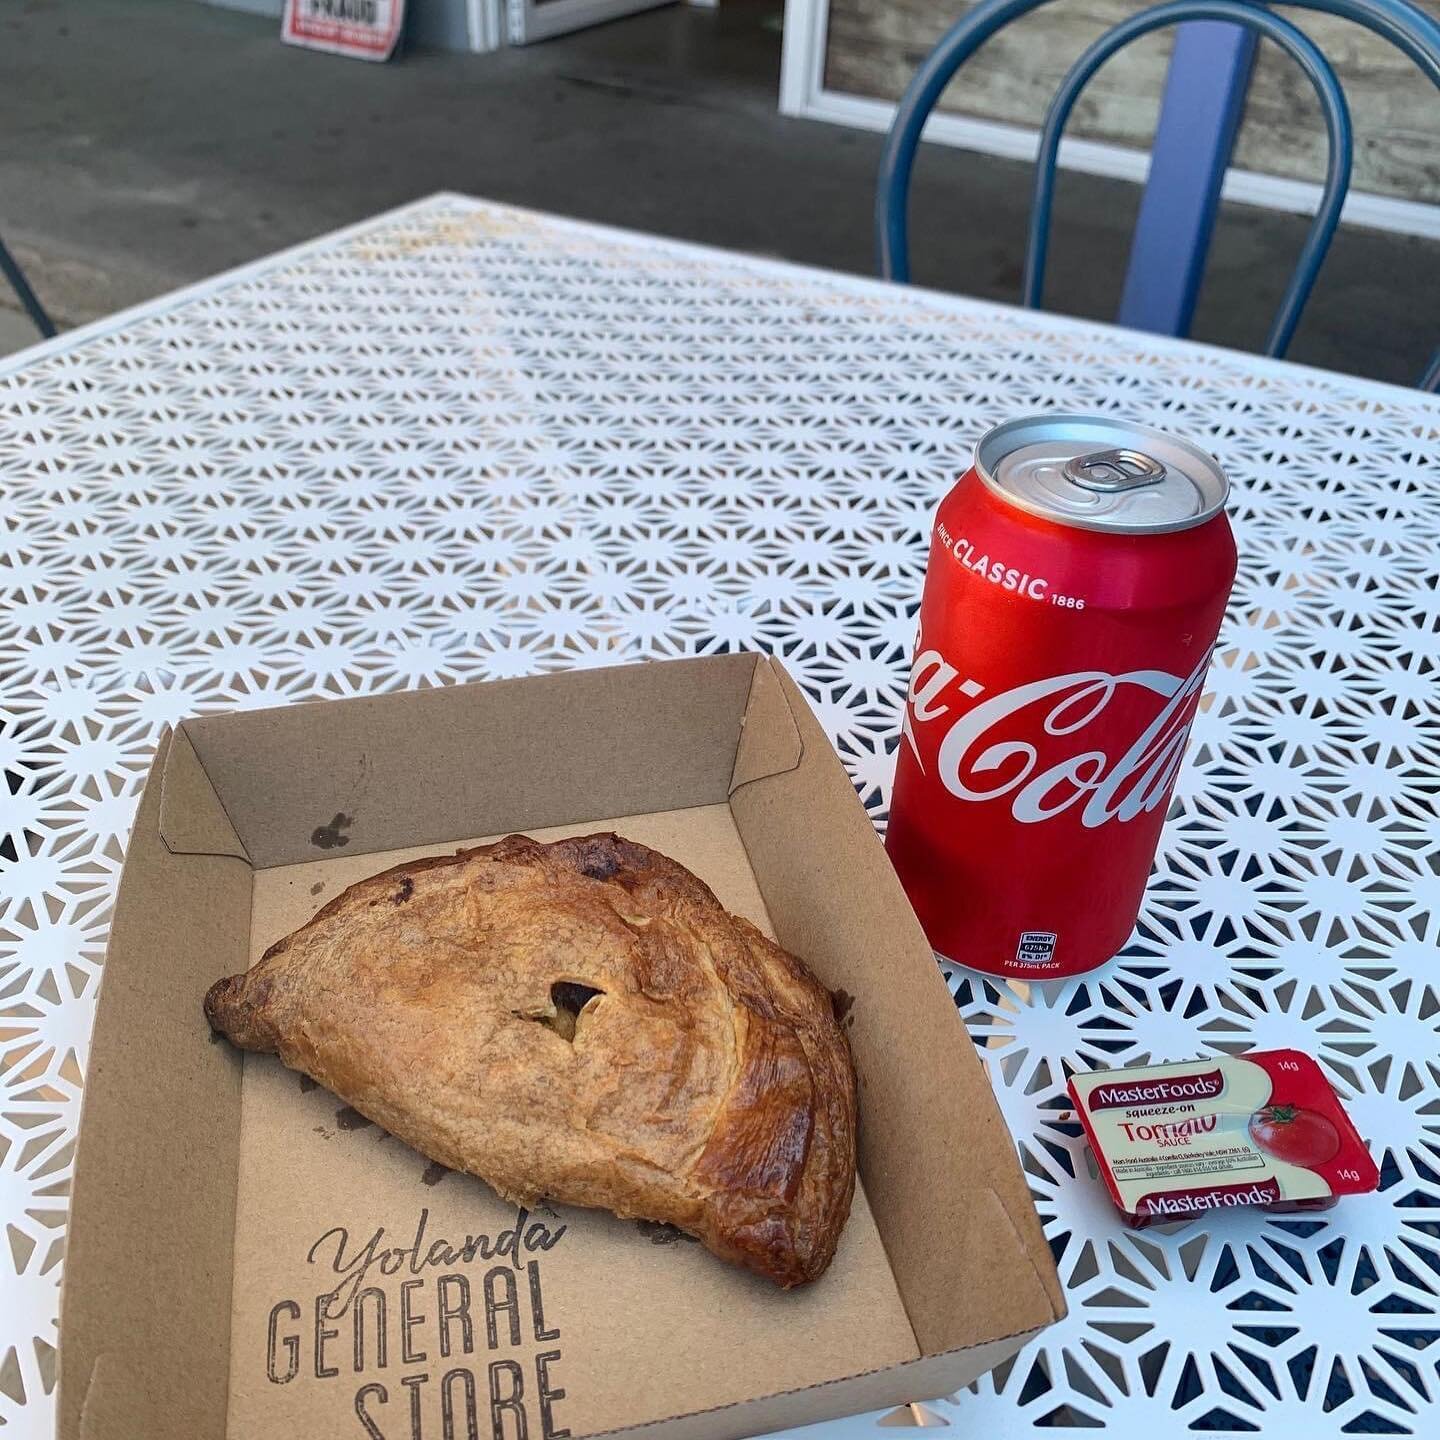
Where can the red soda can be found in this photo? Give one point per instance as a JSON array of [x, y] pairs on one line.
[[1077, 578]]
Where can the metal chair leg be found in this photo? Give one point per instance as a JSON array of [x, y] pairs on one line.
[[11, 270], [1430, 381]]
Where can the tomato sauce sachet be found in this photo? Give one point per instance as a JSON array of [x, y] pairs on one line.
[[1266, 1129]]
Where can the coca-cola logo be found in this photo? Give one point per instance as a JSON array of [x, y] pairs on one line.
[[1127, 1094], [1028, 744]]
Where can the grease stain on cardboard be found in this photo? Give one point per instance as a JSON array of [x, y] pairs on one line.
[[328, 837]]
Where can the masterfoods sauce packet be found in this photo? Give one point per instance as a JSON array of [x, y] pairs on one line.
[[1263, 1129]]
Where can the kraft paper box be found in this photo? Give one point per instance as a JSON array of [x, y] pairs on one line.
[[247, 1258]]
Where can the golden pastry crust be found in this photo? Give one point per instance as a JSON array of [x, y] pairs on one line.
[[452, 1000]]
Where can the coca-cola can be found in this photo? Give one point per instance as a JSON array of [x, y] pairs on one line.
[[1077, 578]]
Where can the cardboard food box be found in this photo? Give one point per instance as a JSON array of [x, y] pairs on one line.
[[247, 1258]]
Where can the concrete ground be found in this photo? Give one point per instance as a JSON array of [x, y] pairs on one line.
[[148, 143]]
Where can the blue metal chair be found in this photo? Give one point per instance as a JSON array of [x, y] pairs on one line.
[[10, 269], [1397, 21]]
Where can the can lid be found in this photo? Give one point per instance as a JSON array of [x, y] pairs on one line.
[[1096, 472]]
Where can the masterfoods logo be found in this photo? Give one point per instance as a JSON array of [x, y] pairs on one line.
[[1172, 1204], [1029, 745], [1130, 1094]]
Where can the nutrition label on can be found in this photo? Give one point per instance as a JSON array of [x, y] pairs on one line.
[[1036, 949]]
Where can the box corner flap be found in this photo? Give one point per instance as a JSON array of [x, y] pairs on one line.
[[193, 821], [770, 739]]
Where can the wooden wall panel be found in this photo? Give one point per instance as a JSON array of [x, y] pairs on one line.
[[873, 47]]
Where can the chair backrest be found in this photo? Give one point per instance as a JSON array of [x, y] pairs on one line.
[[1397, 21]]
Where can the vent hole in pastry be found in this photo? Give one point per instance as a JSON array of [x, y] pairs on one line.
[[569, 998]]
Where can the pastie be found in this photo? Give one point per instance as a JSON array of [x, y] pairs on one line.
[[582, 1021]]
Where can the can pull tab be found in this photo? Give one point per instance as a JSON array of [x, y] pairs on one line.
[[1111, 471]]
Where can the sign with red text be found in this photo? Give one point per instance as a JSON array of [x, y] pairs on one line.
[[367, 29]]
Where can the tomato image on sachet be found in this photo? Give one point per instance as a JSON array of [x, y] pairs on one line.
[[1295, 1135]]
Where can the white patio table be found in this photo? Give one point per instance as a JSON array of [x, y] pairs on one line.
[[463, 441]]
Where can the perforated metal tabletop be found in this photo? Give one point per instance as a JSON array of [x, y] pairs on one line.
[[463, 441]]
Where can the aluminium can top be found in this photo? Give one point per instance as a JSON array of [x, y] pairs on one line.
[[1097, 472]]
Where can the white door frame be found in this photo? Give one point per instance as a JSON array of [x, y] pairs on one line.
[[487, 24], [804, 95]]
